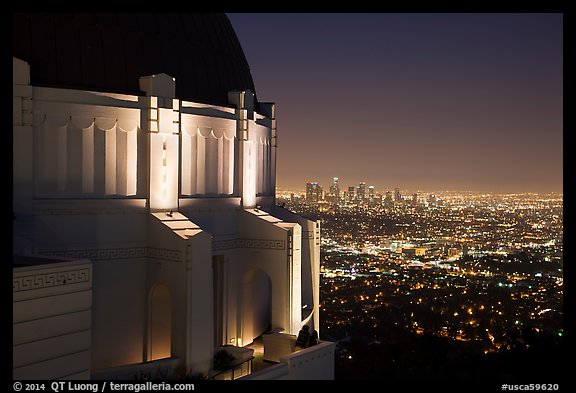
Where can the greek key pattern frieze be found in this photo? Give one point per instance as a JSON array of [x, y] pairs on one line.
[[268, 244], [106, 254], [51, 279], [165, 254]]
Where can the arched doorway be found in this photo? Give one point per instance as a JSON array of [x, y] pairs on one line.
[[256, 304], [159, 323]]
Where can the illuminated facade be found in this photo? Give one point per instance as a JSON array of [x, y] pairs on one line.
[[169, 192], [371, 194], [351, 194], [334, 195], [313, 192], [361, 192]]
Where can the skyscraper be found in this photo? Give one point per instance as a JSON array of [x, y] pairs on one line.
[[388, 198], [397, 196], [351, 193], [313, 192], [371, 195], [361, 193], [335, 191], [310, 191]]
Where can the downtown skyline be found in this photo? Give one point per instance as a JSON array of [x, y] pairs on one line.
[[459, 102], [300, 188]]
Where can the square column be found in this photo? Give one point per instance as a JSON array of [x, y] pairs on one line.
[[246, 171], [162, 126]]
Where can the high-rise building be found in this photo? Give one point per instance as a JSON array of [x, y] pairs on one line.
[[335, 191], [146, 237], [371, 195], [397, 195], [415, 199], [361, 192], [310, 191], [351, 193], [313, 192], [388, 198]]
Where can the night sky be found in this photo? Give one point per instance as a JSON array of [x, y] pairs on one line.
[[423, 102]]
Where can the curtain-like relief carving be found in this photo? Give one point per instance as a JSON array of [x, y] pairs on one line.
[[260, 166], [88, 159], [50, 148], [85, 157], [264, 154], [207, 161], [110, 161], [200, 163], [228, 164], [188, 171], [260, 135], [211, 179], [127, 161]]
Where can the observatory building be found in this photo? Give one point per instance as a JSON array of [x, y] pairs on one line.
[[145, 231]]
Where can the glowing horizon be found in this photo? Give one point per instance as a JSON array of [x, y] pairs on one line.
[[418, 101]]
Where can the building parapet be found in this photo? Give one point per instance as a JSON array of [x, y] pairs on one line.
[[316, 362]]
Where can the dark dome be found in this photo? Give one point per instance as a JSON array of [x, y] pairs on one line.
[[110, 52]]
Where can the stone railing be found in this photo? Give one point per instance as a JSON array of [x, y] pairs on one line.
[[316, 362]]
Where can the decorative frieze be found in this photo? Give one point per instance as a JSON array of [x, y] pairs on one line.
[[50, 279], [107, 254], [267, 244]]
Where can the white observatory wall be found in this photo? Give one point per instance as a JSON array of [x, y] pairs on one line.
[[113, 236], [52, 321], [258, 302], [260, 158], [84, 149], [184, 265], [207, 166], [310, 261], [268, 246]]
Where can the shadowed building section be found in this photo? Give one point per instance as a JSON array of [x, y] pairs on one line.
[[52, 309], [154, 162]]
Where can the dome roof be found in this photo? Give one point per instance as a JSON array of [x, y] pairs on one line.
[[110, 52]]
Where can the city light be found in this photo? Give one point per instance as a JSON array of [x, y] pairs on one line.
[[484, 268]]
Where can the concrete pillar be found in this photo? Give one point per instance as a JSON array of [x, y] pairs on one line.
[[22, 158], [246, 169], [23, 138], [269, 110], [162, 126]]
